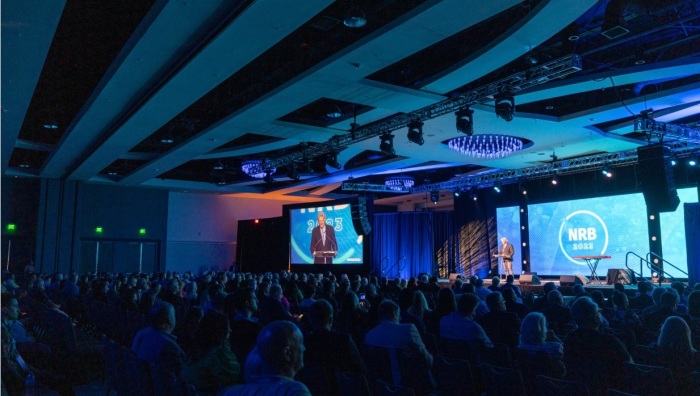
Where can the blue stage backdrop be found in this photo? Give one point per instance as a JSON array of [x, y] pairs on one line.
[[610, 226], [339, 217], [508, 225]]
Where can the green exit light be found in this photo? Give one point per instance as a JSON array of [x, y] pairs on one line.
[[142, 231], [10, 227], [98, 230]]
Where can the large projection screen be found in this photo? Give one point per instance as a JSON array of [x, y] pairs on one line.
[[611, 226]]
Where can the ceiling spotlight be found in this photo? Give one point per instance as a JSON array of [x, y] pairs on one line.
[[456, 193], [505, 108], [474, 193], [332, 160], [465, 121], [555, 180], [434, 196], [530, 60], [335, 113], [522, 187], [219, 166], [167, 139], [415, 132], [693, 161], [50, 125], [387, 144], [497, 186], [355, 18], [293, 172], [222, 181]]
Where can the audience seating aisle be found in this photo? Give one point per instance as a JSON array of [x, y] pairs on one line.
[[94, 345]]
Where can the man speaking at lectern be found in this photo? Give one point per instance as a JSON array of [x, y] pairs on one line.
[[323, 244]]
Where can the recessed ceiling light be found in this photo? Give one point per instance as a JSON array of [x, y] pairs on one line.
[[550, 107], [574, 38], [50, 125], [640, 62], [24, 165]]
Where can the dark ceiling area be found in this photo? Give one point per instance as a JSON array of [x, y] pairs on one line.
[[291, 100]]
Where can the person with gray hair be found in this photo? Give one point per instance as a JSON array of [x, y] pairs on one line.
[[591, 356], [271, 366], [558, 315]]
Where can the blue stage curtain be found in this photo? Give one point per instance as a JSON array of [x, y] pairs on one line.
[[402, 244], [692, 240]]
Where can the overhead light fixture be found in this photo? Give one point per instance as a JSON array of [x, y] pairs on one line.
[[465, 121], [222, 181], [167, 139], [692, 161], [555, 180], [606, 171], [335, 113], [522, 187], [399, 183], [257, 169], [434, 196], [293, 172], [50, 125], [456, 193], [355, 18], [530, 60], [497, 186], [614, 24], [474, 193], [505, 108], [387, 144], [486, 146], [219, 166], [332, 160], [415, 132]]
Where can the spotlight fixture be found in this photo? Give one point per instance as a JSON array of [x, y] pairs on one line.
[[51, 124], [415, 132], [434, 196], [474, 193], [335, 113], [606, 171], [332, 160], [222, 181], [505, 108], [387, 144], [693, 161], [555, 180], [219, 166], [167, 139], [497, 186], [293, 172], [355, 18], [522, 187], [530, 60], [456, 193], [465, 121]]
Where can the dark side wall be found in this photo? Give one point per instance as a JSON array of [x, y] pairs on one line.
[[20, 206]]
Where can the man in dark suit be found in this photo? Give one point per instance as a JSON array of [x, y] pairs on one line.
[[506, 253], [323, 240]]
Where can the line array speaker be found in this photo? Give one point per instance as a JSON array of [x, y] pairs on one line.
[[656, 177], [360, 219]]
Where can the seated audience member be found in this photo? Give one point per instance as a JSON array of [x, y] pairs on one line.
[[212, 365], [38, 293], [389, 333], [512, 304], [675, 351], [272, 308], [679, 287], [273, 363], [653, 320], [599, 299], [446, 304], [15, 369], [187, 329], [510, 285], [501, 326], [692, 317], [156, 344], [460, 325], [495, 284], [191, 296], [352, 317], [328, 348], [481, 307], [480, 290], [542, 301], [457, 286], [420, 306], [243, 303], [558, 315], [309, 295], [534, 338], [405, 302], [621, 317], [643, 298], [591, 356]]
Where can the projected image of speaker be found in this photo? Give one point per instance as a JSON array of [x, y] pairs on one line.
[[529, 278], [656, 177]]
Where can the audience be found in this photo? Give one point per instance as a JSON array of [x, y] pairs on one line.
[[501, 326], [460, 325], [643, 298], [512, 304], [273, 363], [212, 365], [536, 338], [156, 344], [389, 333], [559, 318]]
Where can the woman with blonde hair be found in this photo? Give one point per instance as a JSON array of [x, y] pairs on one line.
[[420, 305], [674, 350]]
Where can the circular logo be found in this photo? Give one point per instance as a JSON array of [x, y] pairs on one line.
[[583, 233]]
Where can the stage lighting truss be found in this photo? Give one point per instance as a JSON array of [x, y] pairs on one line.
[[257, 169], [399, 183]]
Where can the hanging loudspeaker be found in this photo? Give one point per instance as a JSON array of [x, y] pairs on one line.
[[360, 219]]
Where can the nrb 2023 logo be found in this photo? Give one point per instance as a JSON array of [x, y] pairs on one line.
[[583, 233]]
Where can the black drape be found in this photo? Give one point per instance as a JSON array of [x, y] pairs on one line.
[[692, 239]]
